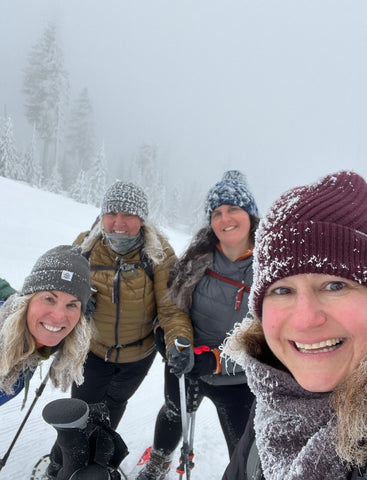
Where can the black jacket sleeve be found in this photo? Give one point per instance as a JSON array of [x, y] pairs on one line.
[[244, 457]]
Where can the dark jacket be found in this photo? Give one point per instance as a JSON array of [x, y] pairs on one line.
[[5, 290], [43, 353], [18, 387], [245, 462]]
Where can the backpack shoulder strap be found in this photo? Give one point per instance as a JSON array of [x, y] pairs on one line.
[[252, 460], [253, 464], [147, 264], [245, 460], [88, 252], [241, 286]]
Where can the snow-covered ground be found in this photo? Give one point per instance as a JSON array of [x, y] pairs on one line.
[[32, 222]]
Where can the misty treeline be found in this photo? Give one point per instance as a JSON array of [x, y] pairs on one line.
[[63, 156]]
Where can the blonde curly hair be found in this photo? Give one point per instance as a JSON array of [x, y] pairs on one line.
[[18, 348]]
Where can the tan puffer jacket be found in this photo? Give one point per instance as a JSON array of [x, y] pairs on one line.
[[141, 299]]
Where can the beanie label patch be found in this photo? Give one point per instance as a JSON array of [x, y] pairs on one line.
[[66, 275]]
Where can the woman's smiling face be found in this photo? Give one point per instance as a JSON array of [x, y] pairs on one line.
[[316, 325], [52, 315]]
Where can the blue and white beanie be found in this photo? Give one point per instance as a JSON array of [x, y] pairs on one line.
[[125, 197], [233, 189]]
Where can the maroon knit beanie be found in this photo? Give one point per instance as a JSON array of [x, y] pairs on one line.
[[317, 228]]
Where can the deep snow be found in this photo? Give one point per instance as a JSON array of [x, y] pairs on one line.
[[32, 222]]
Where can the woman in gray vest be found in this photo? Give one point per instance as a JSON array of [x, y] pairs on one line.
[[211, 282]]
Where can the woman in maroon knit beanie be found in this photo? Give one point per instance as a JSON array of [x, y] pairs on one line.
[[304, 349]]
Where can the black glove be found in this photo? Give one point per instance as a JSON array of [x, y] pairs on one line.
[[205, 364], [181, 357]]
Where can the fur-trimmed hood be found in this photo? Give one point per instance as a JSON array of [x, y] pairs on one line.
[[153, 245], [186, 280], [232, 349], [190, 269]]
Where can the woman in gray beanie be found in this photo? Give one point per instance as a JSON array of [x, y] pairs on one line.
[[46, 317], [305, 351], [130, 263], [211, 283]]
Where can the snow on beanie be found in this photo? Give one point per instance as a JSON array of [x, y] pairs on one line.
[[125, 197], [233, 189], [62, 268], [317, 228]]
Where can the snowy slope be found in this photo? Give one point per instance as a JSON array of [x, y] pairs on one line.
[[32, 222]]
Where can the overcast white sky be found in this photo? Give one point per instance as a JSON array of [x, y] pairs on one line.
[[276, 88]]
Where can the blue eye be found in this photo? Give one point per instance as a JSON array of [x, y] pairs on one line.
[[281, 291], [335, 286]]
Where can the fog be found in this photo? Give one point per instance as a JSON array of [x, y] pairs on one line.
[[275, 88]]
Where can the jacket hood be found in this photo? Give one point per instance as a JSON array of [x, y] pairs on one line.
[[153, 246]]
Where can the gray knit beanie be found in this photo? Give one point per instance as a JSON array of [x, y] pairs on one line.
[[233, 189], [62, 268], [125, 197]]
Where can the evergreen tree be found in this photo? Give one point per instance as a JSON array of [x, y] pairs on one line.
[[33, 163], [54, 183], [157, 199], [80, 188], [45, 86], [9, 158], [21, 171], [175, 206], [147, 172], [97, 178], [81, 132], [194, 202]]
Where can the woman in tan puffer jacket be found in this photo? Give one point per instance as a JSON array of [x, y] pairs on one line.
[[130, 265]]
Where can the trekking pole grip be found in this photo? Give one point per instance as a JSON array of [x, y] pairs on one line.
[[181, 343]]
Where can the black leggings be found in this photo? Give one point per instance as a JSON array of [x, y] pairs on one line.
[[233, 404], [111, 383]]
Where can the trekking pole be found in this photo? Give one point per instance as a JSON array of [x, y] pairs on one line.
[[38, 393], [184, 460], [192, 406]]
